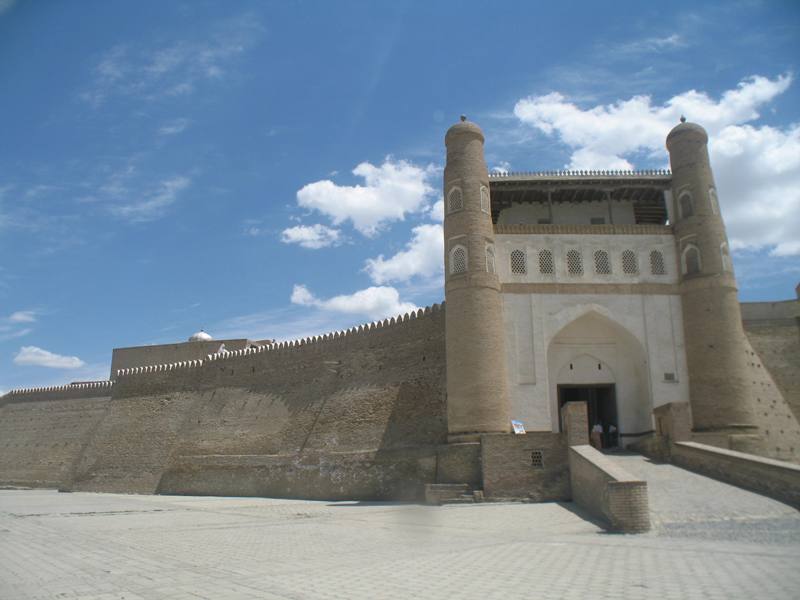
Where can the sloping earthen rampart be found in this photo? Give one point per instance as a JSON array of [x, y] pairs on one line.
[[773, 329], [355, 414], [43, 431]]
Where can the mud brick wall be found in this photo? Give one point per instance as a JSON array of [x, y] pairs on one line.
[[43, 432], [354, 415], [532, 466]]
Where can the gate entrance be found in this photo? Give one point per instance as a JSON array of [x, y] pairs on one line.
[[601, 404]]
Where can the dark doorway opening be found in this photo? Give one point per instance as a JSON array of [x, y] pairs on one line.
[[601, 404]]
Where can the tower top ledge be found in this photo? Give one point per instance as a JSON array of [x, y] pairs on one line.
[[685, 127], [464, 128]]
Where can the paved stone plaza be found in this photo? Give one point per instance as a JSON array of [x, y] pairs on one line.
[[717, 542]]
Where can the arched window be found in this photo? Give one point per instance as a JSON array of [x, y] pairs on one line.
[[490, 258], [455, 200], [657, 265], [546, 263], [727, 265], [602, 265], [485, 203], [713, 201], [574, 262], [458, 260], [691, 263], [686, 205], [519, 263], [630, 264]]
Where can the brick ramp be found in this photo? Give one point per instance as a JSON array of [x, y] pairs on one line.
[[683, 503]]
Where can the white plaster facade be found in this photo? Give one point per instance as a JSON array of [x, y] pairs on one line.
[[586, 244], [632, 339]]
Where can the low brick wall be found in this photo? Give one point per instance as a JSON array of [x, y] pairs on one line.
[[532, 466], [774, 478], [607, 491]]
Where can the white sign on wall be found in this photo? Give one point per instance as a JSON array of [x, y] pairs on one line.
[[519, 428]]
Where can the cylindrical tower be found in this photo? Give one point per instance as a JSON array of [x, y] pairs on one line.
[[715, 340], [477, 386]]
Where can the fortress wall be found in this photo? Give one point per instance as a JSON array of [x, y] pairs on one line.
[[773, 329], [70, 391], [356, 415], [131, 444], [778, 425], [42, 432]]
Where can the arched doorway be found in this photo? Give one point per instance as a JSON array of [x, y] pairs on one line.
[[596, 360]]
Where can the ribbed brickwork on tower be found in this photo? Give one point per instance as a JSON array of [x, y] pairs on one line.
[[715, 340], [477, 388]]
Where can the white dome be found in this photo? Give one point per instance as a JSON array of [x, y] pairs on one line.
[[200, 336]]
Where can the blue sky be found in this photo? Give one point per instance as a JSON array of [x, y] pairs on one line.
[[272, 169]]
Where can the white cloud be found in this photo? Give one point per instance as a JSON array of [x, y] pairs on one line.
[[421, 257], [649, 45], [436, 213], [23, 316], [627, 126], [373, 302], [757, 168], [10, 334], [311, 236], [37, 357], [173, 127], [391, 191], [171, 70], [154, 202], [17, 324], [501, 168]]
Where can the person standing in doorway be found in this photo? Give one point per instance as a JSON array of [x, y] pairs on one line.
[[611, 441], [596, 436]]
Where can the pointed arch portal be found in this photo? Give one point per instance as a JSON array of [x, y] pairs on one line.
[[595, 359]]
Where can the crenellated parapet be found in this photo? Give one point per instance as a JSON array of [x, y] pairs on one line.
[[582, 229], [184, 364], [69, 390], [343, 336], [580, 173]]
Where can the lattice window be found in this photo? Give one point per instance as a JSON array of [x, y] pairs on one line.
[[455, 200], [574, 262], [519, 264], [546, 264], [630, 266], [458, 260], [602, 264], [686, 205], [657, 266], [485, 203], [726, 257], [537, 459], [691, 260], [490, 259]]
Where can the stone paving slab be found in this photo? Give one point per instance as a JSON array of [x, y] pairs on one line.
[[106, 546]]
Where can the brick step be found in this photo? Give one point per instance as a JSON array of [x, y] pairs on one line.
[[451, 493]]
